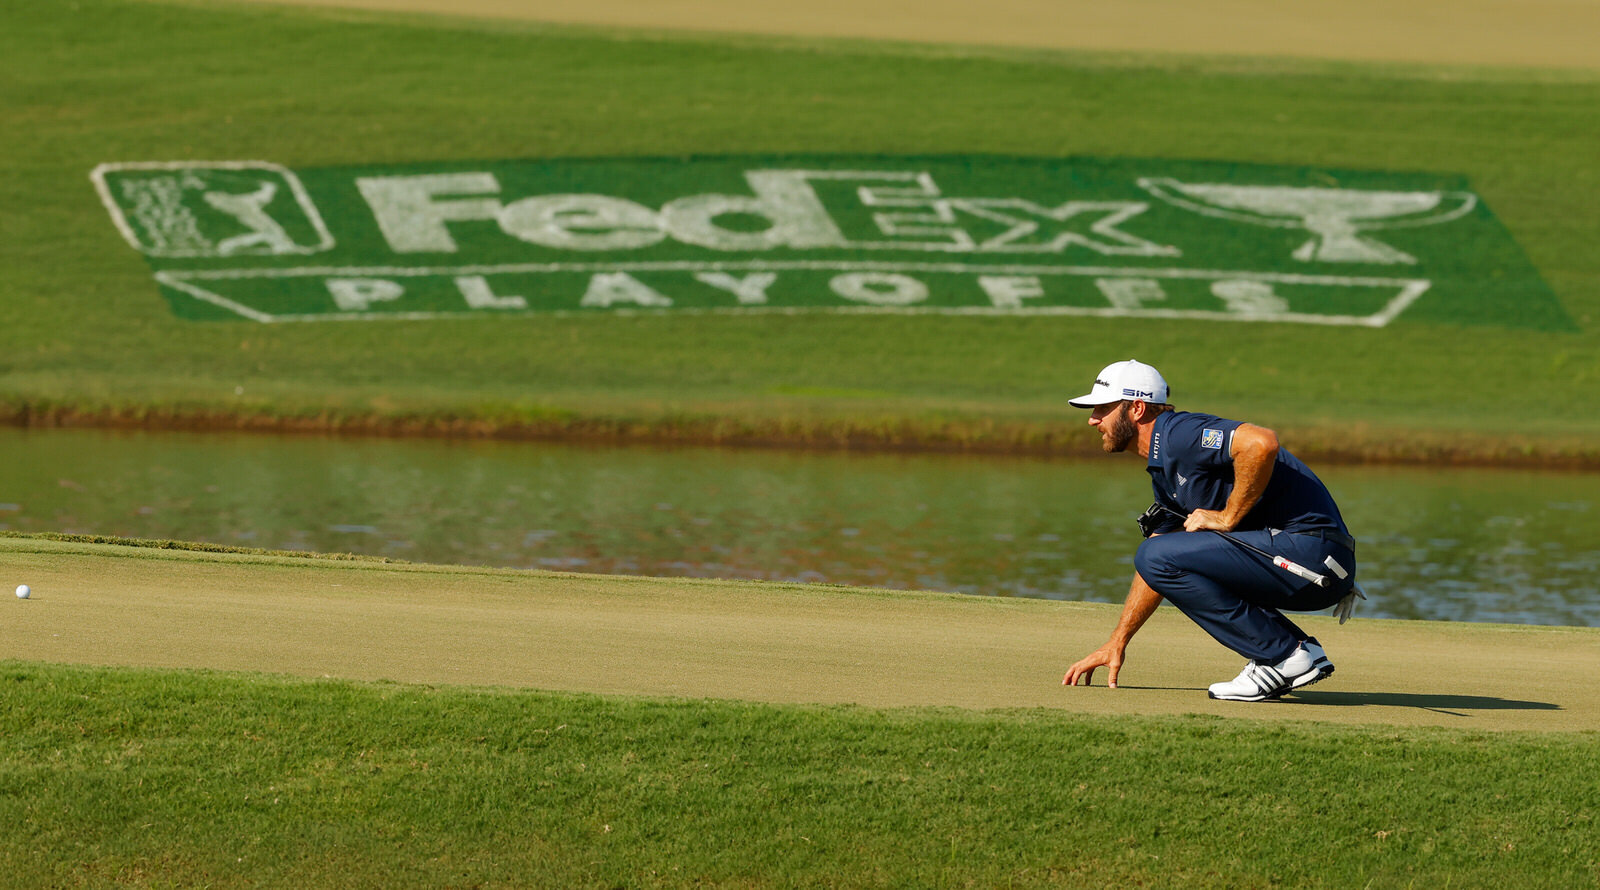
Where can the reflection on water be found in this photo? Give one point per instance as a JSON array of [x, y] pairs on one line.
[[1465, 545]]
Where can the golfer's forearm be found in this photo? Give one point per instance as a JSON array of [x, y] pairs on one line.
[[1255, 451], [1141, 604]]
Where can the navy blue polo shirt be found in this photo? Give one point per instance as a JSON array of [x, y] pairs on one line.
[[1191, 468]]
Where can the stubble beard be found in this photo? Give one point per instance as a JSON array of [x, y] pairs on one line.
[[1120, 432]]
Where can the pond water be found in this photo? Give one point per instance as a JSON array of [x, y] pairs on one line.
[[1456, 545]]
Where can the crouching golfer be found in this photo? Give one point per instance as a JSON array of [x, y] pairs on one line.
[[1213, 477]]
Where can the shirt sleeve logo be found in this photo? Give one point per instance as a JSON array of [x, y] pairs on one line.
[[1211, 439]]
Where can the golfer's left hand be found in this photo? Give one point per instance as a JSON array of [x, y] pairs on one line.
[[1207, 521]]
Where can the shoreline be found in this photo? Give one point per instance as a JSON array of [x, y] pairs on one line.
[[975, 436]]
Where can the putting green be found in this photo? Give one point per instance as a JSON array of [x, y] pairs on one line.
[[366, 620]]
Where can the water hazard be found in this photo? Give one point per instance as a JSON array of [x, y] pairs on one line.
[[1457, 545]]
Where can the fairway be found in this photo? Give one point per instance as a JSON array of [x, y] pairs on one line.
[[365, 620]]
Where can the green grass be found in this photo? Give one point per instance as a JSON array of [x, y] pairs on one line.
[[158, 779], [106, 80]]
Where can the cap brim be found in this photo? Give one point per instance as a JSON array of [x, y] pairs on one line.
[[1093, 401]]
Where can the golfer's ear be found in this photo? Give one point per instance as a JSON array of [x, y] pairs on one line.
[[1137, 410]]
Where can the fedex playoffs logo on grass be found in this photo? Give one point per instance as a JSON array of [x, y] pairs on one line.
[[907, 210], [819, 234]]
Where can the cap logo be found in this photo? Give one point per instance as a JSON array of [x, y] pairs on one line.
[[1099, 382], [1138, 394]]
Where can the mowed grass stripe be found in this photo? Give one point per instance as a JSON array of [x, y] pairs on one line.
[[131, 606], [1533, 34]]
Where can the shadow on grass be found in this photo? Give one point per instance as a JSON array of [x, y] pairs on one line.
[[1438, 703]]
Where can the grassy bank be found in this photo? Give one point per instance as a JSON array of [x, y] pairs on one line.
[[92, 341], [159, 778], [748, 424]]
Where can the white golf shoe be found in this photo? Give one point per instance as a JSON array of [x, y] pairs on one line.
[[1258, 682], [1319, 661]]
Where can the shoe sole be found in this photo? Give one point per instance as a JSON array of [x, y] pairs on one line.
[[1267, 697]]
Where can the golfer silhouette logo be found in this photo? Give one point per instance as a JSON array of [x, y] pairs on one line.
[[249, 209], [211, 209]]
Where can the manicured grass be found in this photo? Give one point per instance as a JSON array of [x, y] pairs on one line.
[[108, 80], [156, 779], [175, 605], [715, 757]]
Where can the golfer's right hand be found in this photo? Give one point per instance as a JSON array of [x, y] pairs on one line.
[[1108, 656]]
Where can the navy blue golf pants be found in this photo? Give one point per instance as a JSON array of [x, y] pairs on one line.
[[1237, 596]]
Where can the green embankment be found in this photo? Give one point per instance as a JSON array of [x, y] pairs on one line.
[[89, 338], [886, 739]]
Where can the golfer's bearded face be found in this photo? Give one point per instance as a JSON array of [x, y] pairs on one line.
[[1119, 431]]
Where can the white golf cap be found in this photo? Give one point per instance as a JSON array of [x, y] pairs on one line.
[[1125, 380]]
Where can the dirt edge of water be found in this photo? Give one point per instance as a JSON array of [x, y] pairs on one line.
[[1345, 445]]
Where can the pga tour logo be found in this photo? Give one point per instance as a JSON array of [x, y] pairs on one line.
[[211, 209], [799, 239]]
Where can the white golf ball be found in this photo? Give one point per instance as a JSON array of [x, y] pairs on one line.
[[23, 591]]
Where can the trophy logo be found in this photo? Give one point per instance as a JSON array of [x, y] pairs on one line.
[[211, 209], [1336, 218]]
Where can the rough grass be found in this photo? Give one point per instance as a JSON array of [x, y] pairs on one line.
[[149, 778]]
